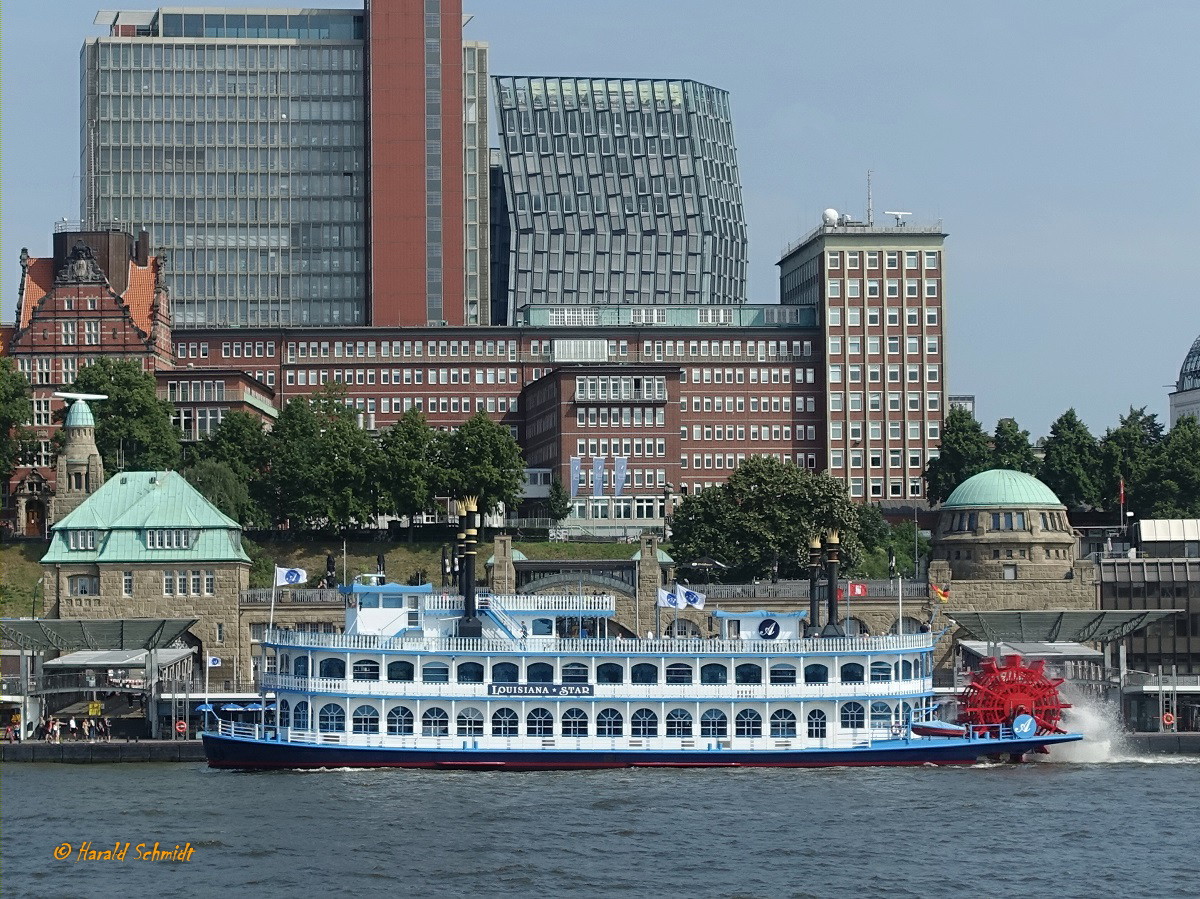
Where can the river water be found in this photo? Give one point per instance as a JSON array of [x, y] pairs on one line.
[[1093, 821]]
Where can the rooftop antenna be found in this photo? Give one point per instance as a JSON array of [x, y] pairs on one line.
[[899, 216], [870, 205]]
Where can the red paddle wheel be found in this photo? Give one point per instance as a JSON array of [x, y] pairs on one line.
[[999, 692]]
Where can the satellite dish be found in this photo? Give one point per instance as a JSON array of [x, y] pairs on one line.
[[81, 396], [899, 216], [830, 217]]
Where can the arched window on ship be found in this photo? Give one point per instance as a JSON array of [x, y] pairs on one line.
[[575, 673], [748, 723], [365, 720], [435, 673], [332, 668], [816, 674], [539, 723], [400, 722], [435, 723], [678, 673], [714, 674], [505, 723], [643, 723], [331, 719], [504, 673], [575, 723], [783, 674], [610, 673], [679, 723], [365, 669], [540, 673], [470, 722], [783, 723], [644, 674], [714, 724], [816, 725], [748, 673], [852, 673], [853, 715], [610, 723], [470, 673], [400, 671]]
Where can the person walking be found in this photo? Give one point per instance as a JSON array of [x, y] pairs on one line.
[[73, 728]]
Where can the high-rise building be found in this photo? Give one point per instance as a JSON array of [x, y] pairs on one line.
[[879, 292], [622, 192], [298, 167], [477, 286], [414, 91]]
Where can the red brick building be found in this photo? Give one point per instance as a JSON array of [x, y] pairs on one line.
[[99, 294]]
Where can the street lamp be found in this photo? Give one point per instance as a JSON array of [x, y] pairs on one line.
[[829, 556], [33, 599], [814, 576]]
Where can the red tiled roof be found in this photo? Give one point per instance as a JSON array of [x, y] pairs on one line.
[[39, 280], [139, 295]]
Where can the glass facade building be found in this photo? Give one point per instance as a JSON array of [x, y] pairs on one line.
[[620, 191], [237, 140], [476, 185]]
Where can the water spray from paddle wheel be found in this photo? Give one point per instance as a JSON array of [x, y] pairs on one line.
[[1000, 691]]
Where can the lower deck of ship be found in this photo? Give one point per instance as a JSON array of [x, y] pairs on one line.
[[241, 752]]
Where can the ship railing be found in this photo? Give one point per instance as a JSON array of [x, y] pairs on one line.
[[574, 602], [843, 739], [340, 686], [603, 645]]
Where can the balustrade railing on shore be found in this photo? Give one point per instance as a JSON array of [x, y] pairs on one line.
[[290, 596]]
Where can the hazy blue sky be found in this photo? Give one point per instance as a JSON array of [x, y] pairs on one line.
[[1057, 143]]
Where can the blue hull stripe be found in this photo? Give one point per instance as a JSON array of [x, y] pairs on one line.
[[233, 752]]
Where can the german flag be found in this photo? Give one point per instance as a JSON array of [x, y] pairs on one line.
[[942, 593]]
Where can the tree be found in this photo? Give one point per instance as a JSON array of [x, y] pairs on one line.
[[222, 487], [1126, 453], [481, 459], [323, 469], [559, 502], [133, 426], [760, 521], [241, 446], [1072, 461], [964, 452], [1171, 485], [407, 472], [239, 442], [1011, 448], [16, 411]]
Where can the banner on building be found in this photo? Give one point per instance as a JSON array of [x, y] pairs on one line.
[[598, 476], [620, 468], [575, 473]]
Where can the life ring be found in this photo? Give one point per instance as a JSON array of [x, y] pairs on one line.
[[181, 726], [1168, 719]]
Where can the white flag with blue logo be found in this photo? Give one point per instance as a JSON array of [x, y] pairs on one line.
[[668, 600], [290, 577], [214, 661], [689, 599]]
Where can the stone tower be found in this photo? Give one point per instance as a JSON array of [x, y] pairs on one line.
[[80, 470]]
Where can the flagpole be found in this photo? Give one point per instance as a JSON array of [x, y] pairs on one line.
[[900, 604]]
